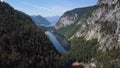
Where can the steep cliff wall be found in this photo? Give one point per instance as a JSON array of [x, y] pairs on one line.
[[67, 24], [72, 16], [102, 23]]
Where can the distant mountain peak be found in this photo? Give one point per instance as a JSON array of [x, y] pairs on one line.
[[40, 21], [53, 19]]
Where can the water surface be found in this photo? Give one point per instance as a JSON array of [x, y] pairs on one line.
[[55, 42]]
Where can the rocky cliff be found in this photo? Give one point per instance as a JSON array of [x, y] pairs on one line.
[[71, 17], [96, 38], [103, 23], [67, 24]]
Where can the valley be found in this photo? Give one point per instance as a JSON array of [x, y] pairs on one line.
[[85, 37]]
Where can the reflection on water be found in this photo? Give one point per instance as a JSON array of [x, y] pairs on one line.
[[55, 42]]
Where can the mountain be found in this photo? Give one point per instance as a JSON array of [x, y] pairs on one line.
[[72, 16], [102, 23], [40, 21], [96, 39], [68, 21], [22, 44], [53, 19]]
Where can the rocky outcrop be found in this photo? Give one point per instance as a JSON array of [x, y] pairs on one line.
[[109, 2], [102, 23], [71, 17], [66, 20]]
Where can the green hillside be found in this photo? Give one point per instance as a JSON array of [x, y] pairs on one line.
[[22, 44]]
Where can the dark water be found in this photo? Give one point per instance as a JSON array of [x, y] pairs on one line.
[[55, 42]]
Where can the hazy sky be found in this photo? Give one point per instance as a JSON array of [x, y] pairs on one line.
[[49, 7]]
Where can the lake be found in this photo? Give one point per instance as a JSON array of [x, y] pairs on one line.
[[55, 42]]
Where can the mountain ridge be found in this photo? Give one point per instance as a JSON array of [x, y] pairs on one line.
[[22, 43], [104, 22], [96, 39], [40, 21], [67, 23]]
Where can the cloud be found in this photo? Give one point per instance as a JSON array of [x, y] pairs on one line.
[[33, 9], [60, 8], [36, 6]]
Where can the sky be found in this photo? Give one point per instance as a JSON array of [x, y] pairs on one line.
[[48, 8]]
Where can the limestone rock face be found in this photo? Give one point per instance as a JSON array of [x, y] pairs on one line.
[[109, 2], [66, 20], [72, 16], [102, 23]]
